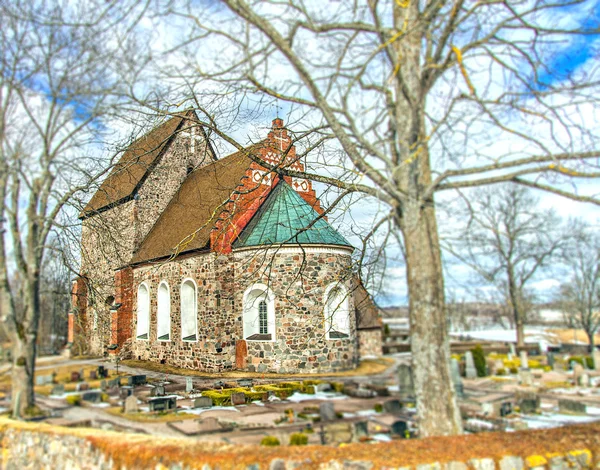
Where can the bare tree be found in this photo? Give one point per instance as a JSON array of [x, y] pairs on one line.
[[579, 297], [412, 93], [507, 239], [60, 75]]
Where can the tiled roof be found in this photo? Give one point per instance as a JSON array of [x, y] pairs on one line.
[[286, 218]]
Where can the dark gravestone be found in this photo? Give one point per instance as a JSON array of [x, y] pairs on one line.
[[247, 383], [399, 428], [238, 399], [162, 403], [572, 406], [529, 405], [93, 375], [75, 377], [219, 384], [550, 358], [126, 391], [506, 408], [158, 391], [327, 411], [103, 385], [93, 396], [203, 402], [136, 380], [392, 406], [102, 372]]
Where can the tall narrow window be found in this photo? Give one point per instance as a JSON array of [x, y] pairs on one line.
[[337, 313], [262, 317], [143, 312], [259, 314], [188, 311], [163, 316]]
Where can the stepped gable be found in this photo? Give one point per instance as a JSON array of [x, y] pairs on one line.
[[133, 166], [286, 218], [186, 223]]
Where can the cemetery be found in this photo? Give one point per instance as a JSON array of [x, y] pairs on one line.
[[496, 392]]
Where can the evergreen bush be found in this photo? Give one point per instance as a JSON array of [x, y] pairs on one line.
[[298, 439], [270, 441], [479, 360]]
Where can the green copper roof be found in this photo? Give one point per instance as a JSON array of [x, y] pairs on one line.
[[285, 218]]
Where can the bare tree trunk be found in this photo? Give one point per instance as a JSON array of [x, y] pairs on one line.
[[23, 369], [516, 308], [437, 408]]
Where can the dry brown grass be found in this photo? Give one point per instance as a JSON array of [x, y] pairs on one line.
[[145, 417], [366, 367], [569, 335]]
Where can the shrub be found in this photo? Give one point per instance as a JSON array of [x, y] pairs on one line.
[[298, 439], [337, 386], [378, 407], [270, 441], [74, 400], [479, 359], [514, 370], [386, 329], [105, 397], [580, 360], [501, 371]]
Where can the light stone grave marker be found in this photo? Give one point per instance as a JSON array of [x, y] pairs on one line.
[[524, 360], [131, 404], [58, 389], [456, 378], [513, 351], [392, 406], [584, 380], [405, 382], [189, 384], [103, 385], [470, 370], [577, 371], [525, 377], [43, 379], [203, 402], [82, 387], [327, 411], [572, 406], [238, 399], [158, 391]]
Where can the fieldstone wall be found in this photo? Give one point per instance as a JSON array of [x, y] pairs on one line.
[[35, 446], [369, 342], [298, 282]]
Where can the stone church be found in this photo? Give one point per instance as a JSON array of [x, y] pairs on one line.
[[216, 263]]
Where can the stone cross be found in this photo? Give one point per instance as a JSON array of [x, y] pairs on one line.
[[189, 384], [193, 138], [524, 360], [470, 370], [281, 140]]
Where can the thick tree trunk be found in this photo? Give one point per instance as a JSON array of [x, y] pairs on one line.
[[437, 408], [23, 369], [516, 308]]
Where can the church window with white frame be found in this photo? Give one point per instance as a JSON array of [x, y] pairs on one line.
[[143, 312], [163, 312], [337, 312], [189, 311], [259, 313]]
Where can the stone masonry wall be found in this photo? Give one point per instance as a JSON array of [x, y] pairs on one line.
[[39, 446], [300, 346], [298, 280], [369, 342]]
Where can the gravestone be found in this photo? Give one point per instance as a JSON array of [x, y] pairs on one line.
[[361, 429], [596, 358], [392, 406], [513, 351], [158, 391], [219, 384], [82, 387], [524, 360], [506, 408], [323, 387], [456, 378], [189, 384], [338, 433], [103, 385], [43, 379], [405, 382], [550, 359], [510, 356], [584, 380], [572, 406], [58, 389], [126, 391], [238, 399], [399, 428], [131, 405], [203, 402], [114, 382], [162, 403], [75, 377], [528, 402], [134, 380], [93, 396], [525, 377], [102, 372], [577, 372], [327, 411], [247, 383], [470, 370], [93, 375]]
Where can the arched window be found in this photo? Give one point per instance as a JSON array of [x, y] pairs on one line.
[[188, 311], [163, 315], [143, 312], [337, 312], [259, 314]]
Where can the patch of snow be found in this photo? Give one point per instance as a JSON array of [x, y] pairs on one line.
[[382, 437], [366, 412], [298, 397], [554, 420], [101, 405], [394, 388], [480, 423], [198, 411]]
